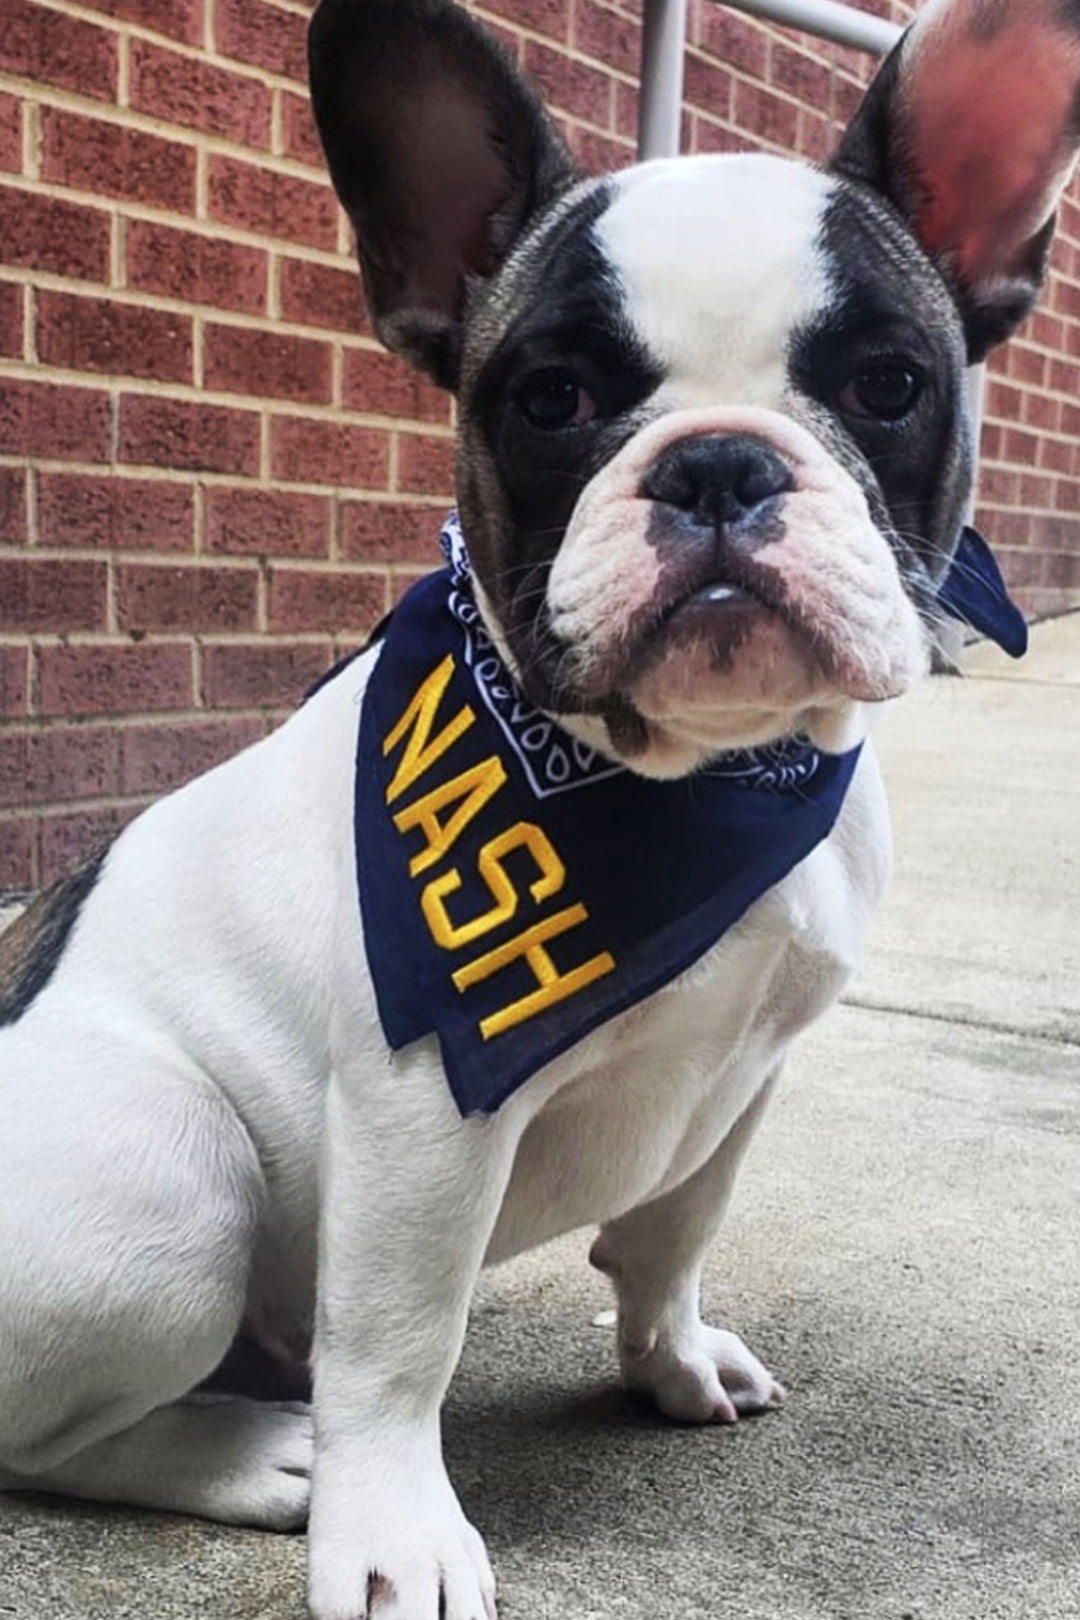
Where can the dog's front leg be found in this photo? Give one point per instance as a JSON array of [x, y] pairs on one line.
[[654, 1256], [410, 1198]]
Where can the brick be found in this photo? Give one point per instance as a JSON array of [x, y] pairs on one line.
[[1036, 491], [11, 135], [307, 451], [800, 76], [998, 486], [260, 522], [709, 87], [385, 386], [271, 204], [390, 532], [262, 675], [325, 601], [1058, 455], [12, 299], [158, 758], [49, 233], [991, 441], [1066, 299], [847, 98], [1063, 569], [608, 37], [815, 139], [240, 360], [318, 295], [73, 836], [192, 437], [1025, 365], [1041, 411], [548, 17], [1047, 329], [115, 513], [299, 136], [734, 41], [425, 464], [96, 334], [582, 91], [46, 766], [53, 48], [14, 685], [1018, 446], [150, 597], [199, 94], [1007, 528], [180, 19], [764, 115], [114, 680], [627, 100], [1054, 533], [1021, 568], [17, 852], [13, 531], [266, 37], [111, 160], [198, 269], [1003, 401], [48, 594], [599, 154], [46, 419], [1065, 377]]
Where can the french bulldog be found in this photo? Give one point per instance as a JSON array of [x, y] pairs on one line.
[[508, 930]]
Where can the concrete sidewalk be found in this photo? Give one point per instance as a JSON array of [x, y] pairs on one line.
[[904, 1249]]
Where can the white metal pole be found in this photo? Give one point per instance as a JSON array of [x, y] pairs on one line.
[[663, 46], [844, 25]]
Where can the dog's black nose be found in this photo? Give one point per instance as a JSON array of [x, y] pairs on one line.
[[718, 479]]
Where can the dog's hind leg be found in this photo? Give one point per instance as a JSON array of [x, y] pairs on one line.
[[654, 1256], [216, 1456], [129, 1207]]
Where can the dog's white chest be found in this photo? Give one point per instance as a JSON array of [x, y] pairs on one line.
[[651, 1095]]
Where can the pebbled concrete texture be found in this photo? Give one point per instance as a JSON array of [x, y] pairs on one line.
[[904, 1248]]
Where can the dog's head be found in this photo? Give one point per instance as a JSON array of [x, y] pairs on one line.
[[714, 447]]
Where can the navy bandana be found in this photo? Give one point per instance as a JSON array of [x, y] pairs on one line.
[[518, 889], [973, 591]]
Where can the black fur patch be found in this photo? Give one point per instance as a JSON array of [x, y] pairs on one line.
[[889, 304], [34, 943]]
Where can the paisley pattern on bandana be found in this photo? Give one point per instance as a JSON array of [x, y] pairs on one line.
[[553, 761]]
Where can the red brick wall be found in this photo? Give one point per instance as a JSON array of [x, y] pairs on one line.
[[211, 479]]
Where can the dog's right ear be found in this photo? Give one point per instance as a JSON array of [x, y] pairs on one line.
[[441, 155]]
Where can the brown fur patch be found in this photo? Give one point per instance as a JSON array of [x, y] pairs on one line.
[[34, 944]]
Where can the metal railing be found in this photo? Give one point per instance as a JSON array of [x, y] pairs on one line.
[[663, 47]]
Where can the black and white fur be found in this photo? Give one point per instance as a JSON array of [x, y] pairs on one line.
[[713, 457]]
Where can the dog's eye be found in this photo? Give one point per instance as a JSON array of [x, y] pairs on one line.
[[885, 392], [554, 398]]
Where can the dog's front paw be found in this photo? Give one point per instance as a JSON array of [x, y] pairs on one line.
[[397, 1556], [708, 1376]]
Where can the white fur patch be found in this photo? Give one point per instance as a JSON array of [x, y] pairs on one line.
[[718, 321]]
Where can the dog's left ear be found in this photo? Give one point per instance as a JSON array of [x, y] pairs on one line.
[[971, 129], [441, 155]]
